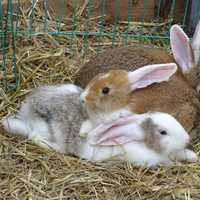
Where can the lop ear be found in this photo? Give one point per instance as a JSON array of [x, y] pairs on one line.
[[116, 136], [181, 48], [196, 44], [121, 131], [150, 74]]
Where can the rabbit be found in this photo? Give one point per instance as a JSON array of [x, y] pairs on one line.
[[148, 139], [185, 54], [167, 91], [51, 116]]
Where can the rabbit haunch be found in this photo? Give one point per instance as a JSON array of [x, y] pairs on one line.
[[51, 116], [147, 139]]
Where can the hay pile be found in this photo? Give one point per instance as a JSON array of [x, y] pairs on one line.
[[30, 172]]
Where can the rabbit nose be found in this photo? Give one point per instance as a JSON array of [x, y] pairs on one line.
[[82, 97], [82, 101]]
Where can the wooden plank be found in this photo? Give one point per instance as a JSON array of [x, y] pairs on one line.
[[138, 11], [55, 8]]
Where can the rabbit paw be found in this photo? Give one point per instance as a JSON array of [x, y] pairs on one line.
[[86, 127], [190, 156], [38, 140], [13, 125], [186, 155]]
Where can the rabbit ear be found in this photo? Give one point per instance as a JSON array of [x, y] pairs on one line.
[[181, 48], [118, 135], [115, 140], [102, 128], [120, 132], [196, 43], [150, 74]]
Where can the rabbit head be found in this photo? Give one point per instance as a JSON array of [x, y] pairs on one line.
[[111, 92], [159, 131], [164, 134]]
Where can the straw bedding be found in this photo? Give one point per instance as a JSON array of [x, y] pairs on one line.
[[30, 172]]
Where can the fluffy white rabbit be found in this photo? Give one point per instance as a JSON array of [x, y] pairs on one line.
[[147, 139]]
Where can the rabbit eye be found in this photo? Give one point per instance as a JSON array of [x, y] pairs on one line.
[[105, 90], [163, 132]]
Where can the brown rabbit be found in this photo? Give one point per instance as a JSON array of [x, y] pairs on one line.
[[118, 90], [127, 58], [186, 55]]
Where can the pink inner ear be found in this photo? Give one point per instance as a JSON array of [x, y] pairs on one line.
[[182, 37], [122, 121], [115, 141], [150, 78], [119, 133], [181, 48], [150, 74]]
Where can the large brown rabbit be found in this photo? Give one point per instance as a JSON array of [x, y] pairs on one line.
[[186, 55], [176, 96]]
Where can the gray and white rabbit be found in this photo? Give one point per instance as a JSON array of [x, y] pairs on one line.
[[51, 116]]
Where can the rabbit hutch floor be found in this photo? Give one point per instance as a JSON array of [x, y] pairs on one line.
[[30, 172]]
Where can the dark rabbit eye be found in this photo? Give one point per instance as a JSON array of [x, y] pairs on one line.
[[163, 132], [105, 90]]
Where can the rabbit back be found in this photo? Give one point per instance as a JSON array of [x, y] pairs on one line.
[[54, 116], [63, 112], [127, 58]]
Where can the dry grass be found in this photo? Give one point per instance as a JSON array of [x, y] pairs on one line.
[[29, 172]]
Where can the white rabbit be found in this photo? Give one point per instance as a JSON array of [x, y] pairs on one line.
[[51, 116], [147, 139]]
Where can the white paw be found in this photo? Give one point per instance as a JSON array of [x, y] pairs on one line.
[[38, 141], [190, 156], [186, 155], [86, 127], [14, 125]]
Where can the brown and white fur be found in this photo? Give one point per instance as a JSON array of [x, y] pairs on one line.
[[185, 53], [176, 96]]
